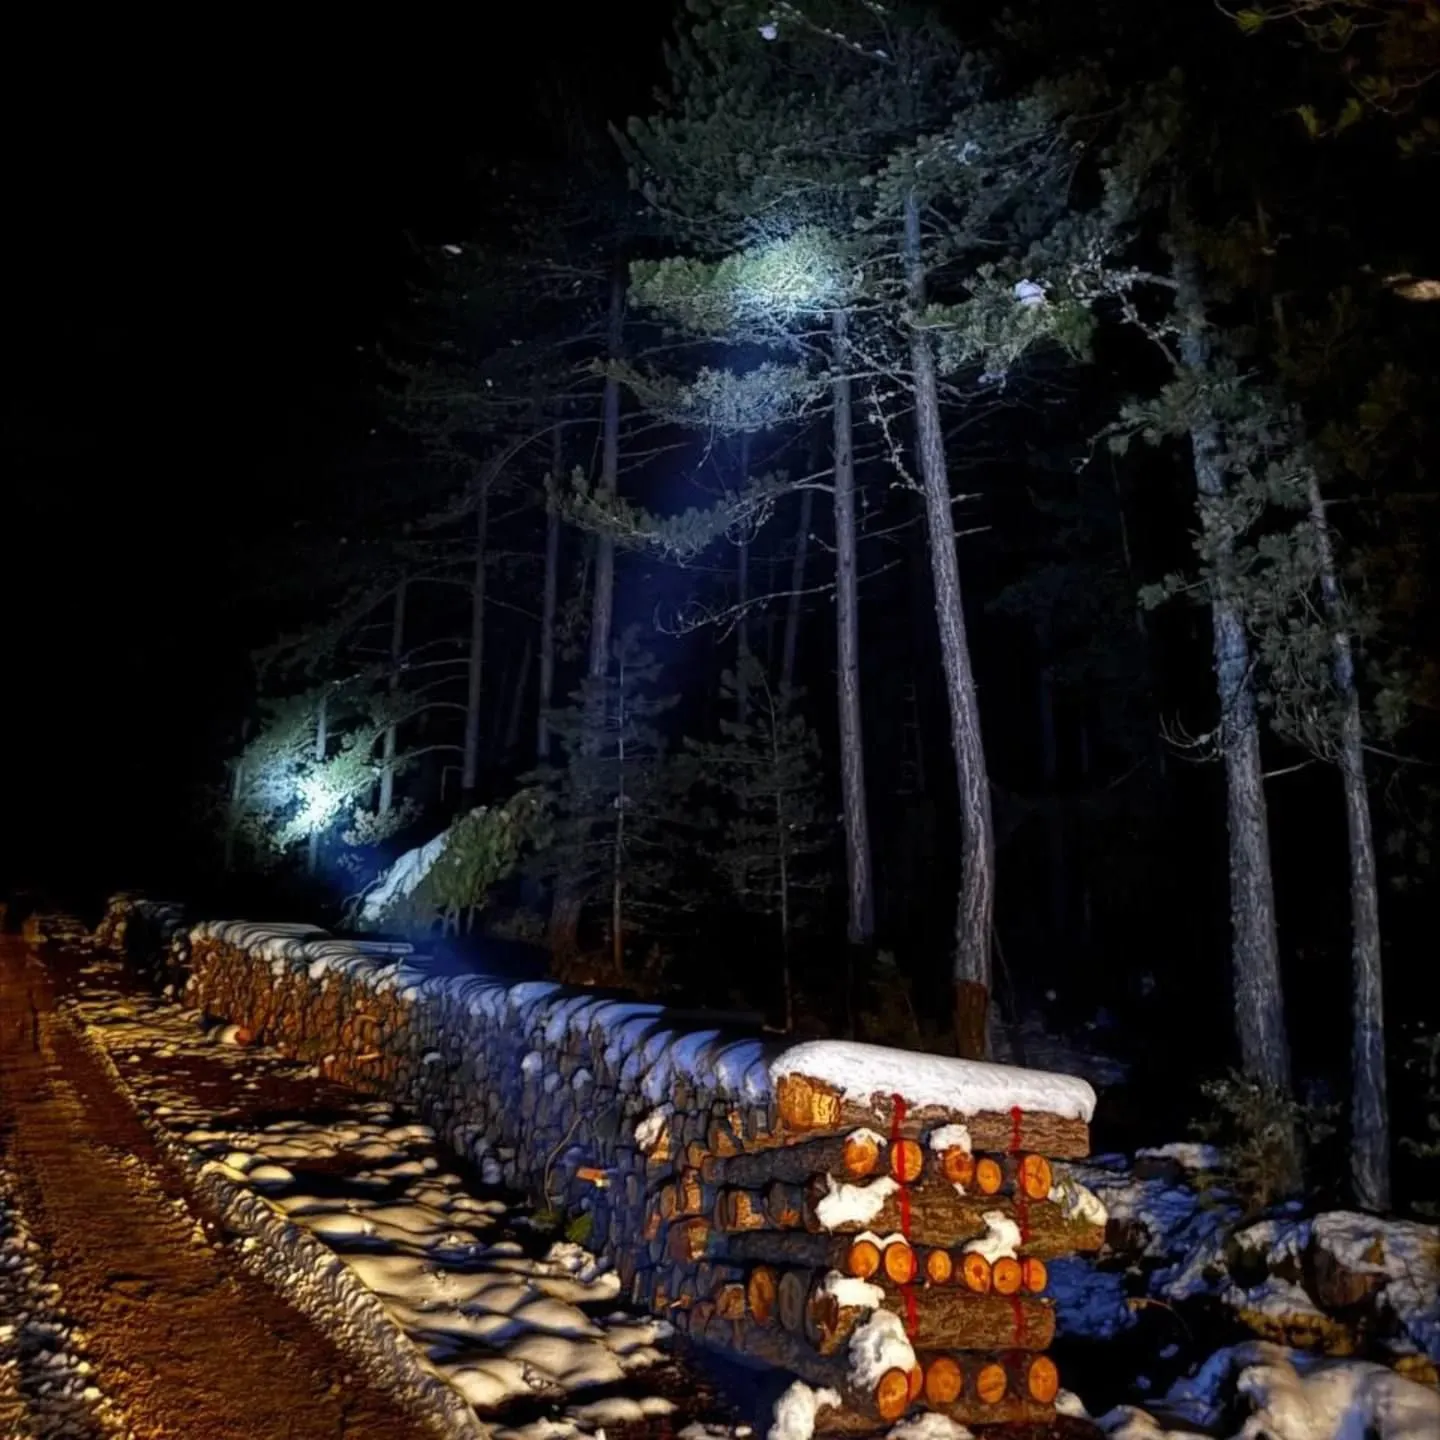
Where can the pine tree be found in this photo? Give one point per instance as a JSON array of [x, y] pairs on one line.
[[814, 235], [765, 772], [610, 801], [741, 164], [311, 772]]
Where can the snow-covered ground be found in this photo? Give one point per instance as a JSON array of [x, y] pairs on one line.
[[47, 1391], [447, 1291], [1260, 1391], [1332, 1287], [1173, 1239]]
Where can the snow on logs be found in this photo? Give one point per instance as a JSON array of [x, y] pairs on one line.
[[876, 1222]]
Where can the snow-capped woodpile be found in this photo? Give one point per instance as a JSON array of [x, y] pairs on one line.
[[876, 1222], [143, 930]]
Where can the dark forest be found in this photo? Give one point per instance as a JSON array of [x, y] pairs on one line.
[[911, 525]]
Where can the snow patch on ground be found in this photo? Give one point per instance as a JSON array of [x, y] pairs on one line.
[[401, 879], [47, 1390], [1285, 1395], [966, 1087], [1187, 1154], [1337, 1400], [1407, 1254]]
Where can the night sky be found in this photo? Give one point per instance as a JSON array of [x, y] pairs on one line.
[[201, 261]]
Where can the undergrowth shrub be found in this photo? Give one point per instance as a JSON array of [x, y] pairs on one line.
[[1265, 1136]]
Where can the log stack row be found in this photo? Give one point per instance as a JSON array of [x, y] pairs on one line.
[[147, 932], [877, 1223], [791, 1246]]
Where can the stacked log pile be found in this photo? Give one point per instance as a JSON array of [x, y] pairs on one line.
[[145, 931], [875, 1222]]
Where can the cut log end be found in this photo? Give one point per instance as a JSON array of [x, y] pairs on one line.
[[899, 1261], [990, 1384], [863, 1259], [861, 1154], [1036, 1177], [1037, 1277], [944, 1380], [958, 1167], [1006, 1275], [989, 1176], [907, 1161], [892, 1394], [975, 1272], [939, 1267], [760, 1293], [807, 1104], [1043, 1379]]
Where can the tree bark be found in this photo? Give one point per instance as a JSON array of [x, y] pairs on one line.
[[517, 697], [860, 925], [551, 591], [474, 674], [397, 649], [1054, 811], [1255, 957], [602, 608], [790, 645], [1369, 1110], [975, 911], [742, 587], [617, 872], [565, 911], [232, 819]]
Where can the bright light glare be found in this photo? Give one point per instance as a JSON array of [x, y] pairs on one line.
[[319, 802], [791, 276]]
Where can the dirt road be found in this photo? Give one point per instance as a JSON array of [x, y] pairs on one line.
[[183, 1341]]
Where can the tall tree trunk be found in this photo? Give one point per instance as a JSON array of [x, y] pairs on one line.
[[602, 606], [742, 588], [565, 911], [793, 602], [975, 910], [1369, 1110], [474, 674], [773, 718], [860, 890], [1255, 956], [1054, 810], [551, 591], [397, 650], [322, 744], [232, 818], [617, 869], [1369, 1107], [517, 697]]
